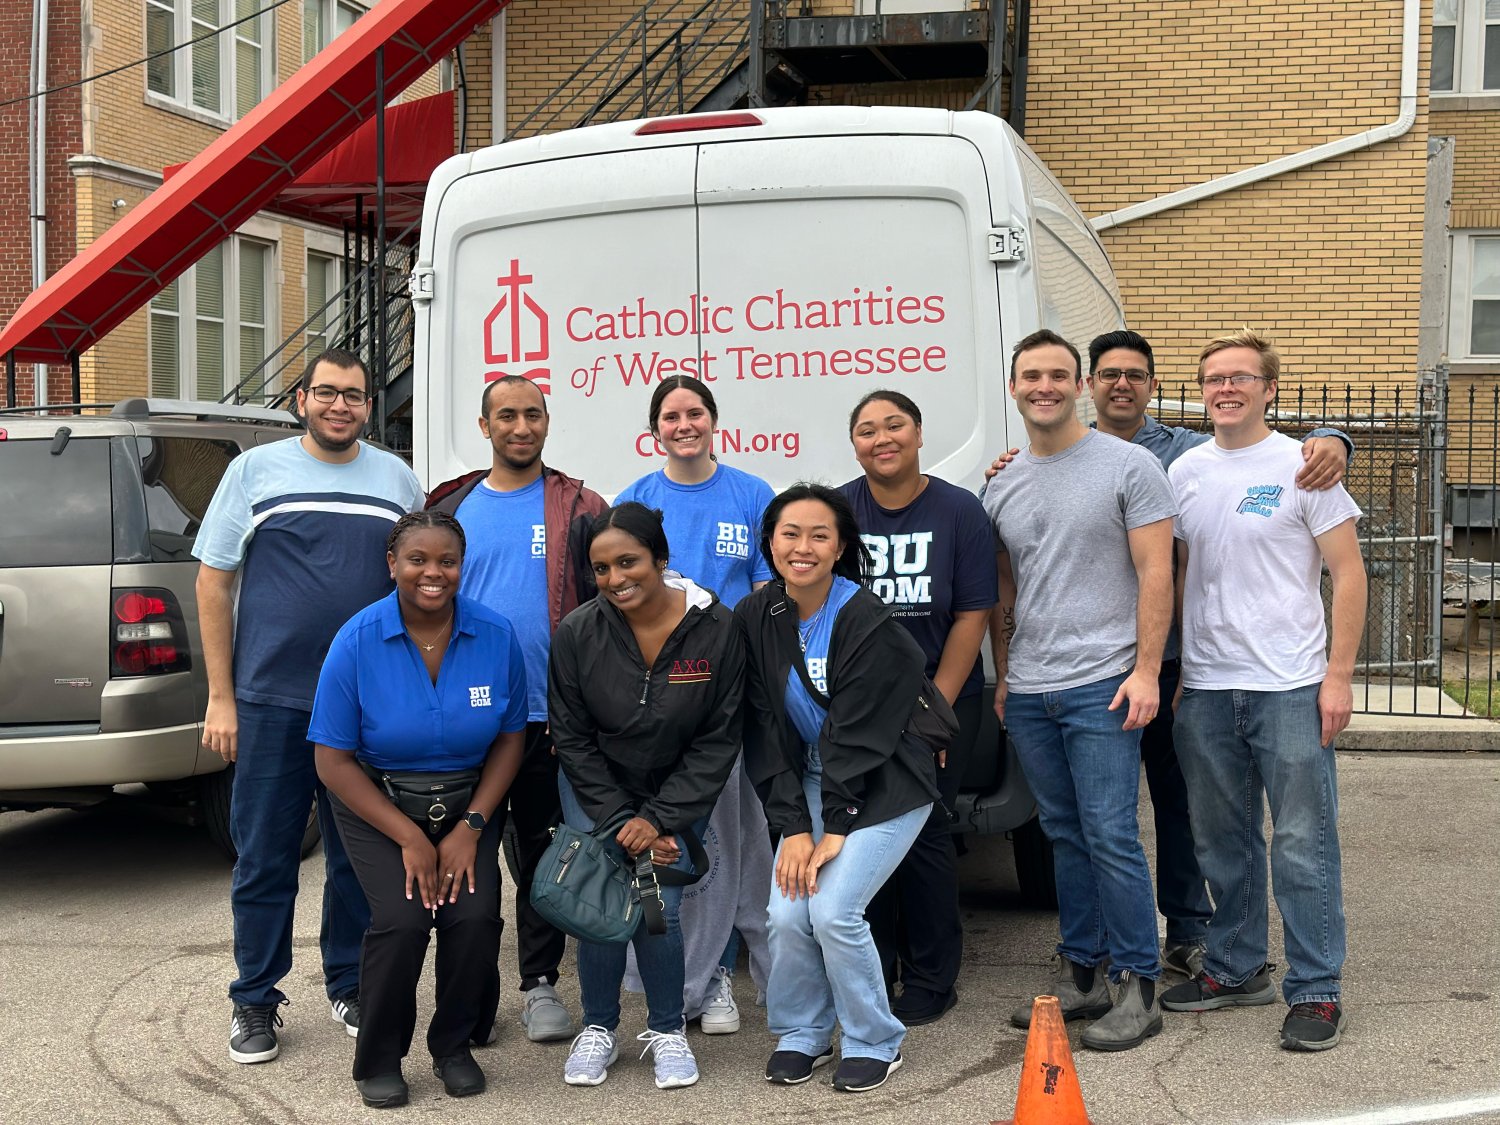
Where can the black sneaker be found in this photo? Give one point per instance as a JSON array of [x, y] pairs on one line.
[[1203, 993], [1313, 1026], [460, 1074], [383, 1091], [855, 1075], [792, 1068], [252, 1033], [346, 1012]]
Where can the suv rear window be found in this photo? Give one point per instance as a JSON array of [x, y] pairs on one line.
[[55, 509], [180, 475]]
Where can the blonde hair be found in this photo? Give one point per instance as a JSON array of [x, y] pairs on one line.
[[1270, 358]]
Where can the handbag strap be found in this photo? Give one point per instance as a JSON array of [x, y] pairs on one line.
[[649, 879]]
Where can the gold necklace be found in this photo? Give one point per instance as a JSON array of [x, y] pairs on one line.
[[426, 647]]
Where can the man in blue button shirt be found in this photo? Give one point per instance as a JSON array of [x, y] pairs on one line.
[[525, 525]]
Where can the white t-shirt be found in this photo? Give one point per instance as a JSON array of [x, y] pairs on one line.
[[1252, 615]]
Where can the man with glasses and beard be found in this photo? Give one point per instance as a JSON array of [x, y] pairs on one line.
[[299, 526], [525, 524]]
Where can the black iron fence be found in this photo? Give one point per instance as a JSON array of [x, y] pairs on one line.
[[1426, 474]]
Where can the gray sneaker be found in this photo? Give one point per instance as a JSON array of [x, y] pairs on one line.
[[1185, 959], [544, 1016], [1079, 997], [1131, 1021], [672, 1057], [593, 1053]]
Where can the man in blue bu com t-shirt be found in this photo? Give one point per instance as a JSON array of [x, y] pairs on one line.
[[301, 526], [525, 524]]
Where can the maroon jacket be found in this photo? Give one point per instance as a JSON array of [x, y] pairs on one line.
[[568, 510]]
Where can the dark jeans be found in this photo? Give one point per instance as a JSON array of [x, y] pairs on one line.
[[914, 916], [533, 807], [274, 784], [395, 945], [1181, 892]]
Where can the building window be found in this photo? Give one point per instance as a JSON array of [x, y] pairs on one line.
[[1474, 311], [223, 74], [323, 21], [324, 285], [210, 328], [1465, 46]]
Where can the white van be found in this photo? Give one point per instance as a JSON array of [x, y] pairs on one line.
[[793, 259]]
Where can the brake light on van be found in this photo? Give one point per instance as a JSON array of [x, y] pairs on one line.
[[692, 122], [147, 633]]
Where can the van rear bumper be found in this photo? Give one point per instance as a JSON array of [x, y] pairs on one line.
[[84, 758]]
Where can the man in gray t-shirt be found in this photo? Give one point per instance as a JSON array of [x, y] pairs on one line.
[[1085, 528]]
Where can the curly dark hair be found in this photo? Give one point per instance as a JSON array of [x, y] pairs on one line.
[[428, 517]]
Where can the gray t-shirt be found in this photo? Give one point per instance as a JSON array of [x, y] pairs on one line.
[[1064, 521]]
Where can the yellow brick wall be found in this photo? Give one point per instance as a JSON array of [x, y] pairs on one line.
[[1476, 165], [1129, 101], [122, 125]]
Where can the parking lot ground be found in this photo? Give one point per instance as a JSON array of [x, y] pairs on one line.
[[115, 955]]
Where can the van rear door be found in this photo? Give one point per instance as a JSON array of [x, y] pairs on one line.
[[579, 273], [56, 547], [853, 262]]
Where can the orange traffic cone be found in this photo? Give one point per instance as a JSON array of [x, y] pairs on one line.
[[1049, 1093]]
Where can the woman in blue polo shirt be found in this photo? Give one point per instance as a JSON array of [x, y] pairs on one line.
[[421, 686]]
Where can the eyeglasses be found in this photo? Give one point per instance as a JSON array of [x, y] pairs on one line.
[[1132, 375], [323, 392], [1214, 382]]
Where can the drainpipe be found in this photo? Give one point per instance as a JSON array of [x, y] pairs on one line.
[[39, 172], [1411, 40]]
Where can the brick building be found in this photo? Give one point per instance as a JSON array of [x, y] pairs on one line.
[[1127, 102]]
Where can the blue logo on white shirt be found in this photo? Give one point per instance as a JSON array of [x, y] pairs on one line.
[[1261, 500]]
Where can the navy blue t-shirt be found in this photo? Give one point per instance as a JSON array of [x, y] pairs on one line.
[[932, 559]]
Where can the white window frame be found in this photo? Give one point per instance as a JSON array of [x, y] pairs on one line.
[[328, 20], [184, 28], [187, 318], [1461, 299], [332, 249], [1472, 25]]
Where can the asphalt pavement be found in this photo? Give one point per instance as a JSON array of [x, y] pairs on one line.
[[115, 955]]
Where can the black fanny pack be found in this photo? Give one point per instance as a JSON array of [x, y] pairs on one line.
[[435, 801]]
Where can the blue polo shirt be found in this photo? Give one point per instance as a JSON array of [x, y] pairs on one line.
[[376, 700]]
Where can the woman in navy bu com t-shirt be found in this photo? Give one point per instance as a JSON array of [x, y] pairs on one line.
[[423, 682], [933, 552]]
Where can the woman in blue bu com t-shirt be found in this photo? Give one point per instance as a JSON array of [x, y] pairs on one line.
[[933, 552], [423, 686], [712, 515]]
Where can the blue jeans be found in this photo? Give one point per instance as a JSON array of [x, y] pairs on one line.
[[1235, 747], [658, 958], [824, 964], [1181, 894], [1084, 771], [275, 781]]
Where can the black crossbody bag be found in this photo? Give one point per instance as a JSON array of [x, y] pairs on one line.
[[435, 801]]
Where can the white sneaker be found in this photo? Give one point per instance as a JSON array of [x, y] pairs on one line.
[[721, 1016], [594, 1052], [672, 1057]]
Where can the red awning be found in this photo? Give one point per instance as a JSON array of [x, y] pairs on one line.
[[240, 173], [418, 137]]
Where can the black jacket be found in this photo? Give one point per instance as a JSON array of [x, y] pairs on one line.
[[659, 742], [872, 770]]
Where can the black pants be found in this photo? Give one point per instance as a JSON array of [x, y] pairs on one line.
[[534, 809], [914, 917], [395, 945]]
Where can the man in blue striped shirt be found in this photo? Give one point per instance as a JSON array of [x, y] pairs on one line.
[[292, 546]]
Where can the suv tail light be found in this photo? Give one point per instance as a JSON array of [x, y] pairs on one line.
[[147, 633], [692, 122]]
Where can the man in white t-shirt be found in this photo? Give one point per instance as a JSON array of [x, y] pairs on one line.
[[1261, 699]]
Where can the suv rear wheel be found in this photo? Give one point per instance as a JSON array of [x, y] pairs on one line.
[[213, 799], [1034, 872]]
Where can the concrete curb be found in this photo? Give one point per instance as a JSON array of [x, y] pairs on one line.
[[1474, 735]]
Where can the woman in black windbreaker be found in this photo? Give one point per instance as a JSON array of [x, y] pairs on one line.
[[644, 695], [830, 685]]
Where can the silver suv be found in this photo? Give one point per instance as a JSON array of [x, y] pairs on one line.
[[101, 666]]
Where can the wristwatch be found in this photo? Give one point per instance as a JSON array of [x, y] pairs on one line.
[[475, 820]]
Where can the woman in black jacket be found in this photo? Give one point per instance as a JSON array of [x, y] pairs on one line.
[[644, 700], [831, 683]]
